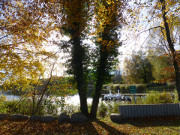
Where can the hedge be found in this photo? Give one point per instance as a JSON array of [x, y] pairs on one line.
[[141, 88]]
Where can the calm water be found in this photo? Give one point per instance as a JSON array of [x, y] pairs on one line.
[[74, 100], [11, 97]]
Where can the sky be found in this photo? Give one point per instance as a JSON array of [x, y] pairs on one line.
[[136, 39], [130, 43]]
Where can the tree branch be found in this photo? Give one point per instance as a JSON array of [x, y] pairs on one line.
[[151, 29], [45, 89]]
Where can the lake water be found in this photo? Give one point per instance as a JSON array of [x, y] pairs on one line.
[[73, 100], [11, 97]]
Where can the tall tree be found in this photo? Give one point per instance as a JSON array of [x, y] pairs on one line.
[[108, 18], [75, 19], [170, 41]]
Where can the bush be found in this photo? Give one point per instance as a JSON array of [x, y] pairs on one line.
[[70, 109], [116, 107], [125, 88], [111, 87], [12, 107], [156, 98], [155, 84], [139, 100], [25, 107], [141, 88], [161, 88], [176, 99], [15, 107], [102, 110], [2, 105], [50, 108]]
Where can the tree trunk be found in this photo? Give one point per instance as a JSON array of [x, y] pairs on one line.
[[171, 46], [77, 65], [99, 83], [107, 48]]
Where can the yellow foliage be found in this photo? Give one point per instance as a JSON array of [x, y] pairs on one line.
[[23, 32]]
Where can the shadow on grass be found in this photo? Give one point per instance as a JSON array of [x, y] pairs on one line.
[[153, 121], [83, 128], [111, 130], [35, 127]]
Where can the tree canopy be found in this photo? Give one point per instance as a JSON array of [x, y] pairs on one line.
[[138, 69], [23, 34], [25, 27], [163, 15]]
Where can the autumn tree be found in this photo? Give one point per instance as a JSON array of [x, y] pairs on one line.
[[23, 31], [108, 18], [138, 69], [32, 21], [25, 27], [160, 57], [74, 24], [162, 15], [162, 69], [168, 35]]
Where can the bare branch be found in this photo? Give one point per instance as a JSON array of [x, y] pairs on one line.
[[44, 90], [151, 29]]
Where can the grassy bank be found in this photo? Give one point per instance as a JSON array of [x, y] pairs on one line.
[[167, 125]]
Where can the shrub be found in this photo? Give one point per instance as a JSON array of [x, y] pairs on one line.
[[2, 105], [139, 100], [150, 99], [155, 84], [25, 107], [116, 107], [102, 110], [110, 108], [15, 107], [165, 97], [176, 100], [70, 109], [141, 88], [111, 87], [125, 88], [122, 88], [50, 108], [155, 98], [117, 88], [161, 88]]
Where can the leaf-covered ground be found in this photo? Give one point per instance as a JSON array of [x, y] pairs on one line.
[[164, 126]]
